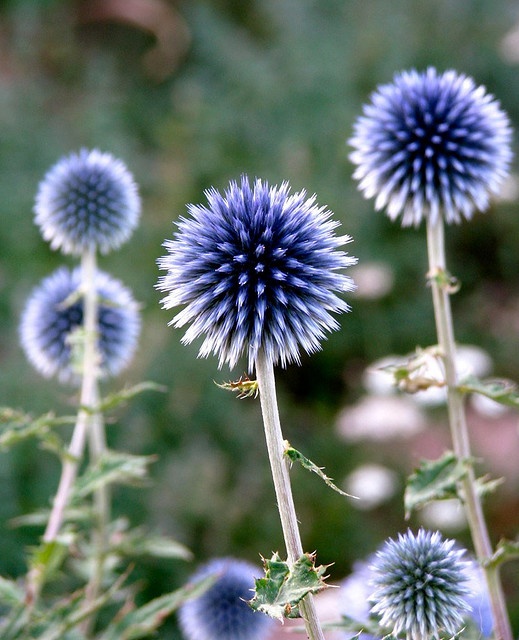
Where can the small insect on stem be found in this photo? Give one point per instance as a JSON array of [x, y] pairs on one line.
[[244, 387]]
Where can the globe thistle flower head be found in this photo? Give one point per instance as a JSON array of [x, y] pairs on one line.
[[257, 268], [88, 200], [221, 612], [431, 144], [54, 312], [420, 586]]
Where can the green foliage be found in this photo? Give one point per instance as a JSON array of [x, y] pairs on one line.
[[503, 391], [279, 593], [296, 456], [439, 480]]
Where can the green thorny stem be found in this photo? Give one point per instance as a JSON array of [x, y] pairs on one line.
[[281, 478], [439, 280], [89, 423]]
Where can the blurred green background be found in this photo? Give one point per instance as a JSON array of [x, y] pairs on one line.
[[192, 94]]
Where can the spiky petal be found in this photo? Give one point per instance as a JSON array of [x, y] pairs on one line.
[[431, 144], [257, 268]]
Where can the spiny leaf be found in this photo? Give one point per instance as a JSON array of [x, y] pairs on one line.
[[113, 467], [506, 550], [279, 593], [503, 391], [295, 456], [440, 480], [433, 480], [142, 622]]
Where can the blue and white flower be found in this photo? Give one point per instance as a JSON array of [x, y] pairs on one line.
[[431, 144], [257, 268], [88, 200]]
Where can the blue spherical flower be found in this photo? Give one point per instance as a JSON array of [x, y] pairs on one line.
[[54, 311], [221, 612], [420, 586], [356, 589], [256, 269], [87, 200], [431, 144]]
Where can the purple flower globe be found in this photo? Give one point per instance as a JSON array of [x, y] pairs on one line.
[[54, 311], [222, 612], [257, 268], [431, 144], [88, 200]]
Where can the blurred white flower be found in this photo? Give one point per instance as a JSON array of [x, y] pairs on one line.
[[372, 484], [447, 515], [486, 406], [373, 279], [380, 418]]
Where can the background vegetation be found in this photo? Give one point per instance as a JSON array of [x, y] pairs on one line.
[[191, 94]]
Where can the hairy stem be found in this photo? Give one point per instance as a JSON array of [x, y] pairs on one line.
[[282, 487], [458, 425]]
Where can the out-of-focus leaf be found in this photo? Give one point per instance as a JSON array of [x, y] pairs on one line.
[[503, 391], [141, 622], [296, 456], [10, 592], [506, 550], [17, 426], [439, 480], [138, 542], [113, 467], [113, 400], [46, 559], [279, 593], [433, 480]]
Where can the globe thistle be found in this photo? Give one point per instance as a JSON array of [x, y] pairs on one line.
[[431, 144], [221, 612], [88, 200], [256, 268], [419, 586], [54, 312]]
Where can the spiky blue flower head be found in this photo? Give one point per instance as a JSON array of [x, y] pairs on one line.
[[420, 585], [221, 612], [431, 144], [54, 312], [87, 200], [257, 268]]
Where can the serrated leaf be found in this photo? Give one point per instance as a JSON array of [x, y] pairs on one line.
[[433, 480], [296, 456], [506, 550], [143, 621], [244, 387], [113, 467], [503, 391], [279, 593]]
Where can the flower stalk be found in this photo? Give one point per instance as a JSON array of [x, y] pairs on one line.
[[458, 425], [281, 479]]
